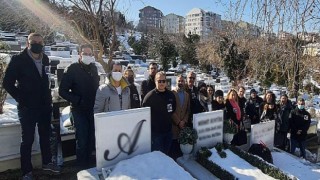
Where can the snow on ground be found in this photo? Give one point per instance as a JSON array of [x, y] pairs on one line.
[[154, 165], [237, 166], [300, 168], [10, 114]]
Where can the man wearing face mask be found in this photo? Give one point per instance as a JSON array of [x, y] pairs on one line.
[[134, 95], [180, 116], [115, 95], [26, 80], [299, 122], [78, 85]]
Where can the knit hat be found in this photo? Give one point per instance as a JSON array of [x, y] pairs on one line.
[[253, 91], [218, 93]]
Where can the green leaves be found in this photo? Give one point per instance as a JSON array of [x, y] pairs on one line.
[[187, 136]]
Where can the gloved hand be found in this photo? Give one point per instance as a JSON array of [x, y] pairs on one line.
[[288, 135]]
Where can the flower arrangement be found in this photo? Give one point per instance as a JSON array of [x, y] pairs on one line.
[[187, 135]]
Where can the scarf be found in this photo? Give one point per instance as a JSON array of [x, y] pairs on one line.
[[235, 105]]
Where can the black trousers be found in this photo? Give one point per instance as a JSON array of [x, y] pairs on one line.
[[85, 135], [30, 118]]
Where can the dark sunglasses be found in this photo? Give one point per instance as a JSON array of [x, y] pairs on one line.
[[191, 77], [161, 81]]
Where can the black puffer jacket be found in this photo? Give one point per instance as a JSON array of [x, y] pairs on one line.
[[32, 90], [83, 81], [134, 96]]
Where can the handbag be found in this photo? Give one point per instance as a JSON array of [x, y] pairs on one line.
[[240, 138]]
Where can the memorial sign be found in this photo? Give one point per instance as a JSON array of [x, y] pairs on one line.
[[121, 135]]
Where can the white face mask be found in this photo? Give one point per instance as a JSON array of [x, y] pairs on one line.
[[87, 59], [116, 76]]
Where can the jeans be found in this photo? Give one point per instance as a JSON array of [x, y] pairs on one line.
[[300, 144], [85, 135], [161, 142], [29, 118]]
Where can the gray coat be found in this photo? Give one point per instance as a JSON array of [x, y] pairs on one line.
[[107, 98]]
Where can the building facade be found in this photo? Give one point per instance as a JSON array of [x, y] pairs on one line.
[[202, 22], [172, 24], [150, 18]]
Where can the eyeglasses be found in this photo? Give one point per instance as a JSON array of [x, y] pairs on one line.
[[161, 81], [191, 77]]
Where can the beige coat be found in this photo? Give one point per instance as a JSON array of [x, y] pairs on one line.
[[181, 113]]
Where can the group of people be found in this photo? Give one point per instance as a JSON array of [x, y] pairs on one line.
[[291, 121], [26, 80]]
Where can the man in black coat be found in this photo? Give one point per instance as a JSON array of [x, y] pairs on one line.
[[299, 123], [195, 105], [253, 107], [26, 80], [163, 104], [149, 84], [282, 126], [79, 85], [134, 95]]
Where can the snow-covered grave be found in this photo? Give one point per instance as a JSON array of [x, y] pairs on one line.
[[10, 137], [131, 139], [300, 168]]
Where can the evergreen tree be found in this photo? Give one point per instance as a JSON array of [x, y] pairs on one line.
[[168, 53], [234, 61], [188, 52]]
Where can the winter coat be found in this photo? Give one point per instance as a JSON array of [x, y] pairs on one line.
[[147, 86], [195, 105], [181, 113], [252, 109], [32, 90], [242, 105], [163, 105], [230, 114], [134, 96], [79, 85], [216, 106], [108, 99], [284, 114], [299, 120]]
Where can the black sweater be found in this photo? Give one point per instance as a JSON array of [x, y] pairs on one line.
[[163, 105], [31, 90]]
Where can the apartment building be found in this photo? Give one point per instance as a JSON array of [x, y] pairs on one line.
[[172, 24], [202, 22], [150, 18]]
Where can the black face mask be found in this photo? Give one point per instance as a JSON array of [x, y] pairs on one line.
[[130, 80], [36, 48]]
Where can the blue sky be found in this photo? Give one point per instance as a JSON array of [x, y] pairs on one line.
[[180, 7]]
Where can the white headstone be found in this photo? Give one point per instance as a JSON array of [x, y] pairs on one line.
[[209, 126], [263, 132], [121, 135]]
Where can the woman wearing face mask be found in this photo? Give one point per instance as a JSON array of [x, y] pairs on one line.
[[115, 95], [134, 95]]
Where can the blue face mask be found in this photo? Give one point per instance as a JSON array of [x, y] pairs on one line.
[[300, 107]]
